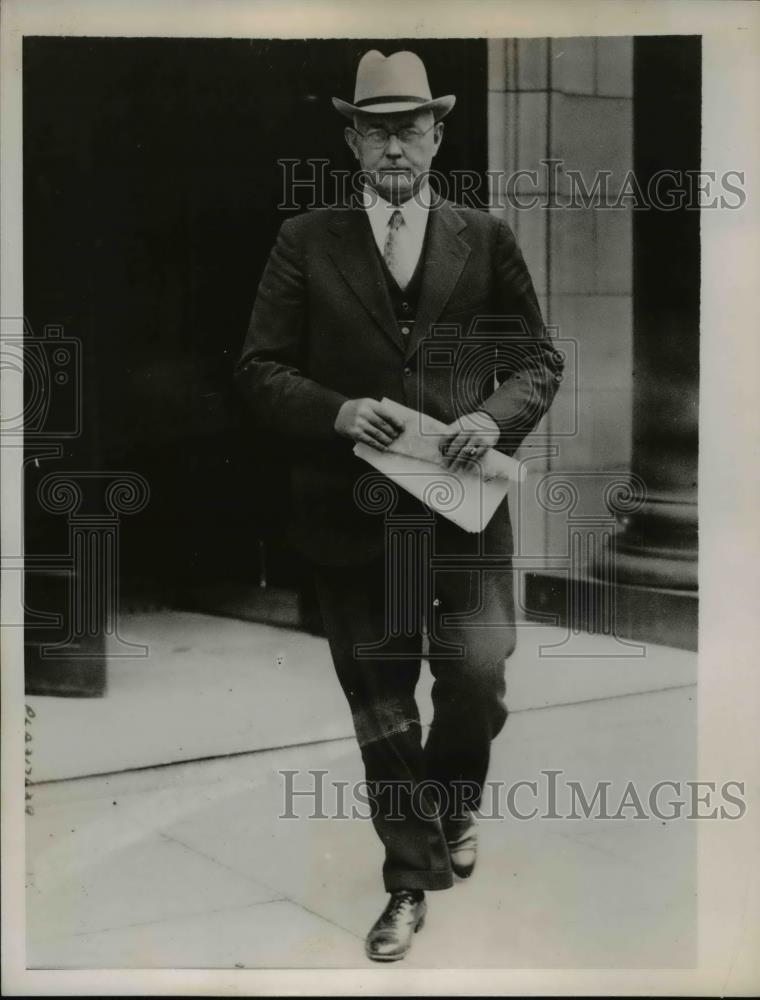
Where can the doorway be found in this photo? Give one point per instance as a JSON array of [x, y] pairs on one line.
[[151, 192]]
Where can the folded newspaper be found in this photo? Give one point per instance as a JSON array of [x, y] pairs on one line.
[[468, 497]]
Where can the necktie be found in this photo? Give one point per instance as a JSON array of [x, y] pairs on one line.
[[393, 250]]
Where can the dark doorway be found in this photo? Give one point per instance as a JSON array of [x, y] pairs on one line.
[[151, 187]]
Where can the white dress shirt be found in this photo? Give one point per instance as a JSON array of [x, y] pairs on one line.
[[410, 235]]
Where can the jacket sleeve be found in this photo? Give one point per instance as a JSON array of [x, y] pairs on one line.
[[269, 373], [528, 365]]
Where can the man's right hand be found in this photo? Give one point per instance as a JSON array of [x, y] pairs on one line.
[[366, 420]]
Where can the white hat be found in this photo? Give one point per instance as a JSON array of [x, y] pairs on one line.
[[396, 83]]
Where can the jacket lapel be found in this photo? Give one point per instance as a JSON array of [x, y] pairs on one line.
[[445, 259], [354, 253]]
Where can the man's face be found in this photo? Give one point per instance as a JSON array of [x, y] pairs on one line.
[[394, 166]]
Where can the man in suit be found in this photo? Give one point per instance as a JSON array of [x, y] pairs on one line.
[[347, 310]]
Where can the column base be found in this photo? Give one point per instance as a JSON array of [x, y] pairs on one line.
[[80, 671], [657, 545], [65, 678], [666, 616], [669, 571]]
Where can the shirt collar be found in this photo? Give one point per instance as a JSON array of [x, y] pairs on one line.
[[414, 210]]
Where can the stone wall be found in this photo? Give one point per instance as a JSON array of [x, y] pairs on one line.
[[571, 99]]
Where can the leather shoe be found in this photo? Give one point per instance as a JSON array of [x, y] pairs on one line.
[[463, 851], [390, 937]]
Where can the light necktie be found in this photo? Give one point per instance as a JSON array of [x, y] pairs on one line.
[[393, 250]]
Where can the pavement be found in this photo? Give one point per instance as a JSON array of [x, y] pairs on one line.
[[190, 865], [193, 686]]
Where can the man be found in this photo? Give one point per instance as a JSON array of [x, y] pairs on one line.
[[346, 310]]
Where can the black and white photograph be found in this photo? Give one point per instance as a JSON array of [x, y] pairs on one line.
[[379, 440]]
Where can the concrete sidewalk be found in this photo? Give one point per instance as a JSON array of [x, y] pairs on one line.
[[187, 865], [206, 687]]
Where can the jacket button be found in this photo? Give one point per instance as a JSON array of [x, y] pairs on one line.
[[405, 306], [437, 602], [559, 357], [405, 329], [407, 371], [557, 377]]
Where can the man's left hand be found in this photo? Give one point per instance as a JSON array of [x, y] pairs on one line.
[[467, 439]]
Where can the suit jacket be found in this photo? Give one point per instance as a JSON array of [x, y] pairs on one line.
[[323, 331]]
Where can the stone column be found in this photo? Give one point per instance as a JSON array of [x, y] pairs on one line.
[[622, 285], [657, 546], [67, 653]]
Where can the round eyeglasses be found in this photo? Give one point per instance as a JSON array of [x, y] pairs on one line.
[[378, 138]]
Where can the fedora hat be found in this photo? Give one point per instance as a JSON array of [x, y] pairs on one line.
[[394, 83]]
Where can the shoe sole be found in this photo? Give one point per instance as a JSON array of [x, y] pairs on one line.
[[461, 873], [395, 958]]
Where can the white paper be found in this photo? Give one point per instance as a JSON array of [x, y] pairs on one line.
[[468, 497]]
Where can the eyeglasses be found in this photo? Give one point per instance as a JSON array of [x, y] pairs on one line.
[[378, 138]]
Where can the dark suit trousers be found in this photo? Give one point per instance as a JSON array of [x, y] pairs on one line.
[[420, 794]]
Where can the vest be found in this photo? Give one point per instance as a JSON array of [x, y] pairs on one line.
[[404, 301]]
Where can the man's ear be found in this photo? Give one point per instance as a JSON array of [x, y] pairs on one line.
[[350, 137], [437, 136]]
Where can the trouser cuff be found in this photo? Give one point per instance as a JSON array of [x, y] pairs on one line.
[[418, 880], [453, 828]]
